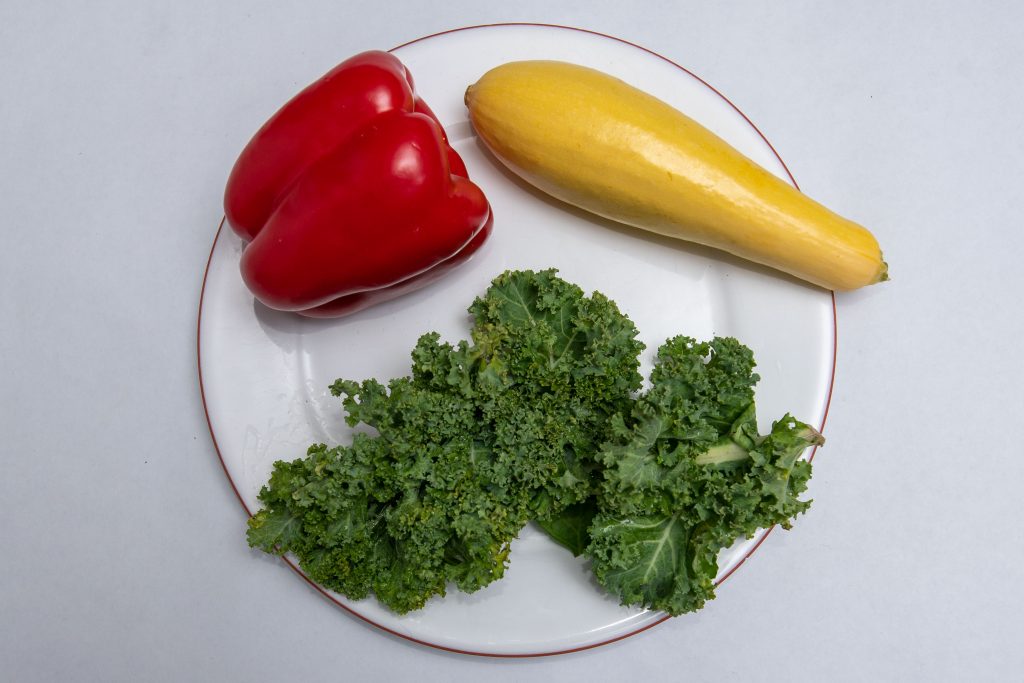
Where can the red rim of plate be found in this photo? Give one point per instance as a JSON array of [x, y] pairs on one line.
[[322, 591]]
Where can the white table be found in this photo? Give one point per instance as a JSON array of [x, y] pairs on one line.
[[123, 556]]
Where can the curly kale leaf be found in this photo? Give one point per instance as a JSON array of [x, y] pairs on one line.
[[481, 438], [398, 521], [570, 362], [554, 340], [687, 474]]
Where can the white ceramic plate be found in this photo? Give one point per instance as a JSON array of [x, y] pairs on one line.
[[264, 374]]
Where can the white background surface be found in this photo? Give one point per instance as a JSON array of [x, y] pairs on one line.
[[123, 555]]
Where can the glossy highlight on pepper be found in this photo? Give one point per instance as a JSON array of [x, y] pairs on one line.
[[350, 195]]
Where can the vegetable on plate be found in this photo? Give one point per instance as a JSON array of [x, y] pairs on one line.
[[351, 195], [539, 417], [483, 436], [685, 475], [595, 142]]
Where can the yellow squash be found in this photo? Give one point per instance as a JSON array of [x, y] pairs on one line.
[[600, 144]]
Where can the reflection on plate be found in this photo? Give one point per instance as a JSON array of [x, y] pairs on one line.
[[265, 374]]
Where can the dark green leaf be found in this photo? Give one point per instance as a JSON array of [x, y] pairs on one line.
[[570, 527]]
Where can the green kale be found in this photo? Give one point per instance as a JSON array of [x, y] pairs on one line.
[[686, 474], [537, 417], [481, 438], [571, 527]]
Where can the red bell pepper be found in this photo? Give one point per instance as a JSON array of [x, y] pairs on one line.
[[351, 195]]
